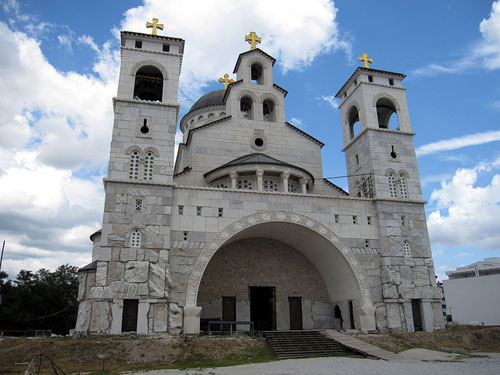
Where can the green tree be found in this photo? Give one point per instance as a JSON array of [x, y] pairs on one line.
[[41, 300]]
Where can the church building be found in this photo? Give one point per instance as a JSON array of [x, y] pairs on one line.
[[241, 225]]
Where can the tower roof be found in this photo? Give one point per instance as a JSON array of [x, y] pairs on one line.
[[361, 69], [257, 50], [134, 35]]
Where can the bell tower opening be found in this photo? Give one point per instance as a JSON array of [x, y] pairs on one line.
[[256, 74], [148, 84], [354, 124], [246, 107], [387, 115]]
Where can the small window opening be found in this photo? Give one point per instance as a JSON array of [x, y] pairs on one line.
[[269, 185], [148, 84], [355, 82], [138, 44], [180, 210], [144, 128], [256, 74], [391, 82], [394, 155], [392, 185], [370, 78], [220, 212], [367, 243], [134, 166], [354, 123], [244, 184], [148, 166], [259, 142], [198, 211], [354, 219], [337, 218], [406, 249], [210, 115], [403, 191], [403, 220], [200, 118], [268, 110], [138, 205], [166, 48], [345, 94], [185, 236], [135, 238], [246, 108], [369, 220], [357, 159]]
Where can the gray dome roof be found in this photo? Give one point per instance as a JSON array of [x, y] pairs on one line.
[[212, 98]]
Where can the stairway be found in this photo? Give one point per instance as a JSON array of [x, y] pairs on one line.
[[304, 344]]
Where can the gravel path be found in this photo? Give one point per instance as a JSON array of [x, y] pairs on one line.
[[351, 366]]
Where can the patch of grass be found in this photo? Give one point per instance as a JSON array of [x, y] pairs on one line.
[[251, 354]]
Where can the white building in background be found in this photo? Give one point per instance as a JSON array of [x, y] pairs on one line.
[[473, 293]]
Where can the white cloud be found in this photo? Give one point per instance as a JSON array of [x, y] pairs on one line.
[[330, 99], [456, 143], [467, 214], [292, 31], [296, 122], [485, 53]]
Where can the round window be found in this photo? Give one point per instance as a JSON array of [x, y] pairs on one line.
[[259, 142]]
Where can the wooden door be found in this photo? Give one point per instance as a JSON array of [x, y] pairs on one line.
[[295, 304]]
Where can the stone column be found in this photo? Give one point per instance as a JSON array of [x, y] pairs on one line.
[[192, 320], [233, 176], [117, 313], [284, 181], [303, 183], [260, 174]]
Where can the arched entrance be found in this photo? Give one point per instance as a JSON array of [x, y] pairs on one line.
[[339, 269]]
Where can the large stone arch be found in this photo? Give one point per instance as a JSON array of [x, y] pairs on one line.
[[231, 232]]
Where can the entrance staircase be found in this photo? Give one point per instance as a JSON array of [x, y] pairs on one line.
[[305, 344]]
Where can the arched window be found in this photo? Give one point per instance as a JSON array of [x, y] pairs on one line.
[[354, 124], [269, 185], [257, 76], [387, 114], [406, 249], [244, 184], [148, 84], [392, 185], [134, 166], [135, 238], [148, 166], [268, 110], [403, 190], [246, 107]]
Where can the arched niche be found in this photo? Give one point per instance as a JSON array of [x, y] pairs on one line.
[[257, 73], [269, 110], [148, 84]]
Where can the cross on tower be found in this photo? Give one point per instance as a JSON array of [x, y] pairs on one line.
[[155, 25], [253, 39], [364, 57], [226, 80]]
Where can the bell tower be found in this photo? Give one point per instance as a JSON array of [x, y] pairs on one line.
[[382, 165]]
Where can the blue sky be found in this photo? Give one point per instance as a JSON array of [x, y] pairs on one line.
[[59, 72]]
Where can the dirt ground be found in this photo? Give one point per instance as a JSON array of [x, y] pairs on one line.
[[132, 352], [467, 339]]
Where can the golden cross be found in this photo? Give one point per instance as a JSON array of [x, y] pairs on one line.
[[364, 57], [253, 39], [226, 80], [155, 25]]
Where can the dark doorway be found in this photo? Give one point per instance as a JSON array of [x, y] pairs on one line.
[[417, 317], [228, 311], [351, 314], [129, 319], [337, 314], [295, 304], [262, 307]]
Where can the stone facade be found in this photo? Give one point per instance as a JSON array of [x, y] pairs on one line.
[[245, 206]]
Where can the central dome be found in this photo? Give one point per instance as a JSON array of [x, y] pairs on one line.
[[212, 98]]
